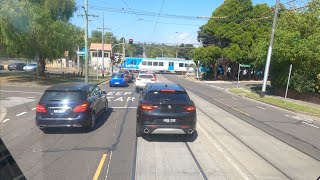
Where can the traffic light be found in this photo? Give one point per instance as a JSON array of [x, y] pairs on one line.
[[130, 41]]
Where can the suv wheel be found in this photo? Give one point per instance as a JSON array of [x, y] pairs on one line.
[[138, 131], [92, 121]]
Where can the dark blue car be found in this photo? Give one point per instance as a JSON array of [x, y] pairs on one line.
[[118, 79]]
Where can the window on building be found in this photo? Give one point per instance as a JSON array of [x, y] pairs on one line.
[[160, 63], [155, 63], [181, 64], [144, 63], [149, 63]]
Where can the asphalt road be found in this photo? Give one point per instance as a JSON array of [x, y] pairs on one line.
[[298, 131], [227, 145]]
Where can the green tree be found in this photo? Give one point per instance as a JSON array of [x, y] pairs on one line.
[[38, 30], [238, 33]]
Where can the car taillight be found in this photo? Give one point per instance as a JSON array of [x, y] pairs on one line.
[[81, 108], [41, 109], [153, 79], [147, 107], [190, 108], [138, 79]]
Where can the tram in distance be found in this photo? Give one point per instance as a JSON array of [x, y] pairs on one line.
[[159, 64]]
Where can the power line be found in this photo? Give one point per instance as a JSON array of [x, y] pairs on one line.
[[130, 8], [155, 26]]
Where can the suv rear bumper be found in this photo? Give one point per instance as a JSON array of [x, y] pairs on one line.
[[167, 129], [80, 121]]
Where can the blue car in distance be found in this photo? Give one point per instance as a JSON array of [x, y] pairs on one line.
[[118, 79]]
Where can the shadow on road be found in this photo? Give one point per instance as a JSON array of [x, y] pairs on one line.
[[170, 137], [102, 119]]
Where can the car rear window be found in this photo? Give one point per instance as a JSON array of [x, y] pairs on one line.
[[170, 96], [145, 76], [62, 95], [117, 76]]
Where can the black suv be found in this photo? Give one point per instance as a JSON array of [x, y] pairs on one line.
[[71, 105], [16, 66], [165, 109]]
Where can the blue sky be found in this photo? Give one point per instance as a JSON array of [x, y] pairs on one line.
[[143, 28]]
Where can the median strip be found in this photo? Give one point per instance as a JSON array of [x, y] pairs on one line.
[[98, 171]]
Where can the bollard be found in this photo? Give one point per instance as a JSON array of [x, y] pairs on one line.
[[48, 74], [74, 74], [68, 75], [63, 75]]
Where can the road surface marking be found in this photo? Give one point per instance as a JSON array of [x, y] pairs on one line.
[[309, 124], [5, 120], [21, 114], [33, 108], [233, 98], [108, 167], [217, 87], [225, 154], [261, 107], [31, 97], [96, 175], [22, 92], [231, 107]]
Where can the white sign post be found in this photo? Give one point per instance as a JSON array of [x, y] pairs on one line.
[[285, 96]]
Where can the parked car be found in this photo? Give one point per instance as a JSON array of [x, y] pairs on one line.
[[142, 80], [16, 66], [1, 67], [118, 79], [165, 109], [30, 67], [71, 105]]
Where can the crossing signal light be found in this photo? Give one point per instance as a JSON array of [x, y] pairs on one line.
[[130, 41]]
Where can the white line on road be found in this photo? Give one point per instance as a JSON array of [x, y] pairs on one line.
[[261, 107], [217, 87], [31, 97], [310, 124], [22, 92], [233, 98], [33, 108], [21, 114], [5, 120]]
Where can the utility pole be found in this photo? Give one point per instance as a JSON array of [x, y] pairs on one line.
[[266, 71], [123, 51], [86, 55], [103, 44]]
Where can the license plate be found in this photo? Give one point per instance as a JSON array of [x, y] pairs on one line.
[[169, 120], [116, 82], [59, 111]]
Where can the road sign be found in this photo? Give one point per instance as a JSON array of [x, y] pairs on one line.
[[245, 65]]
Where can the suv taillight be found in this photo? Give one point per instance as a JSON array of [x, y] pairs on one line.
[[189, 108], [138, 79], [40, 108], [81, 108], [147, 107]]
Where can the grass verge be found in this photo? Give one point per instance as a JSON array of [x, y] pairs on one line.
[[28, 79], [278, 102]]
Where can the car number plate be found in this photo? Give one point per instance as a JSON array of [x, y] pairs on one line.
[[59, 111], [116, 82], [169, 120]]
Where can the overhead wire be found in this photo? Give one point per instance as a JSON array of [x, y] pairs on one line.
[[155, 26]]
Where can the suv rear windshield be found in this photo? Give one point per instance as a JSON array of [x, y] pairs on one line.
[[176, 96], [117, 76], [62, 95], [145, 76]]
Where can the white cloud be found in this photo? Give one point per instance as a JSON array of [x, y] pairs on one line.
[[184, 37]]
